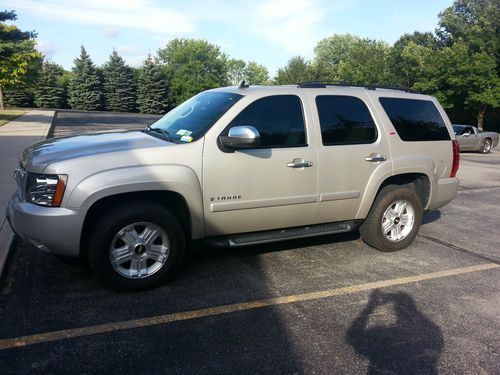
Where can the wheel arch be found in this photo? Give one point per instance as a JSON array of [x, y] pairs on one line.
[[170, 200], [419, 182]]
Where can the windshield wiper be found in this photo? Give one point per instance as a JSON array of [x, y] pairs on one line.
[[165, 134]]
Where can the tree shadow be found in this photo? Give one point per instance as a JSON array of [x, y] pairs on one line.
[[409, 343]]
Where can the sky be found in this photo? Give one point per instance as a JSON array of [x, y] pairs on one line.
[[269, 32]]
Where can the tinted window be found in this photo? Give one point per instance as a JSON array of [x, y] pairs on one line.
[[278, 119], [415, 120], [345, 120]]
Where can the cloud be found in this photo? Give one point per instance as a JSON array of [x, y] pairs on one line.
[[48, 49], [110, 32], [134, 56], [291, 24], [128, 51], [141, 15]]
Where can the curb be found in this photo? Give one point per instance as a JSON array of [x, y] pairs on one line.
[[50, 133], [8, 239]]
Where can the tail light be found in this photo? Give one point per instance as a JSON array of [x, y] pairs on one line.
[[456, 158]]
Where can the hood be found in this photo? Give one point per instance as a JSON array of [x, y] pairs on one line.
[[37, 156]]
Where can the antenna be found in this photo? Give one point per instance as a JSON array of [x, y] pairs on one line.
[[243, 85]]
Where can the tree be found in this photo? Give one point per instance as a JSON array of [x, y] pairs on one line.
[[251, 72], [85, 91], [459, 79], [192, 66], [152, 89], [256, 74], [50, 92], [402, 68], [297, 70], [330, 51], [470, 33], [350, 58], [236, 71], [20, 95], [119, 85], [19, 60]]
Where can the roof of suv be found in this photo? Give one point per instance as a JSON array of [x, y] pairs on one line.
[[331, 88]]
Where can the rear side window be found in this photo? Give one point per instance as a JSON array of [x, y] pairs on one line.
[[345, 120], [415, 120], [279, 120]]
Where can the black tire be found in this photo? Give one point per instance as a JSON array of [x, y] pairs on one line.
[[485, 146], [117, 218], [371, 229]]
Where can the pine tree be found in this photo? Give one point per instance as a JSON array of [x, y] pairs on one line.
[[85, 86], [152, 91], [50, 93], [119, 85], [19, 96]]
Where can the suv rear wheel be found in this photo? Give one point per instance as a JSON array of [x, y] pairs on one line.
[[136, 246], [394, 219]]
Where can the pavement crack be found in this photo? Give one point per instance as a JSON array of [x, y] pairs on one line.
[[458, 248]]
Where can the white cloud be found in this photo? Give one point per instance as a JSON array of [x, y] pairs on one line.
[[132, 14], [110, 32], [292, 24], [48, 49], [128, 51]]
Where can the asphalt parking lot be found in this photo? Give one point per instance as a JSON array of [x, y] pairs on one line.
[[329, 305]]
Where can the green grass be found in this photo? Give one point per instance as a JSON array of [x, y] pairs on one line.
[[10, 114]]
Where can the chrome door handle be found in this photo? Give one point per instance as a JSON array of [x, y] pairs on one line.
[[299, 163], [375, 158]]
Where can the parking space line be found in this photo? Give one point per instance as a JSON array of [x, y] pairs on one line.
[[22, 341]]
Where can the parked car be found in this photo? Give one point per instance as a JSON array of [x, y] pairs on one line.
[[471, 138], [239, 166]]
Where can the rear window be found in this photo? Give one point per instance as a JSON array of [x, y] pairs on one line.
[[415, 120]]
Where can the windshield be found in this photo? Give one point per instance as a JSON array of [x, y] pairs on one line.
[[190, 120]]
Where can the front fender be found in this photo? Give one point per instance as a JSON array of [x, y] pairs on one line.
[[176, 178]]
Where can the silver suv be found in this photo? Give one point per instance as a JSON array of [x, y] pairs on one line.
[[238, 166]]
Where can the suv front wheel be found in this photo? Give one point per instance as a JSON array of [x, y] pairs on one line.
[[136, 245], [394, 219]]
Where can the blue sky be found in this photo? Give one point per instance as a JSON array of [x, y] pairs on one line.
[[269, 32]]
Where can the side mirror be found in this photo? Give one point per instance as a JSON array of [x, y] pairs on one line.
[[466, 134], [241, 137]]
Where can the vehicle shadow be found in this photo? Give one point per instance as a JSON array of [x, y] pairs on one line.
[[431, 217], [409, 343]]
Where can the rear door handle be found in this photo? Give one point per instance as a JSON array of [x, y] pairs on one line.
[[299, 163], [375, 158]]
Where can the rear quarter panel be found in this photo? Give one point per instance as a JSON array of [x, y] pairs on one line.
[[431, 158]]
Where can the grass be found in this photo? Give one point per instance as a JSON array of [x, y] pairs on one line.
[[10, 114]]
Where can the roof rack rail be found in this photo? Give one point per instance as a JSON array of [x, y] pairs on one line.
[[324, 84]]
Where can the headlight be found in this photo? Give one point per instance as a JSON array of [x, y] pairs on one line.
[[45, 189]]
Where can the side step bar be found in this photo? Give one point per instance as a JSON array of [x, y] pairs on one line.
[[255, 238]]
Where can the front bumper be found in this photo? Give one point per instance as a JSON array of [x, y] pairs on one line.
[[54, 229]]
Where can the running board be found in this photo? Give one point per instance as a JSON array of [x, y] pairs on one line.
[[255, 238]]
